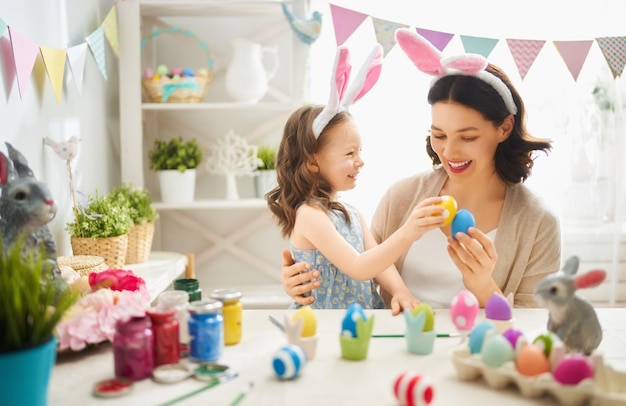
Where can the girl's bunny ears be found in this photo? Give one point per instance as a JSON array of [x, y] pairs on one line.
[[341, 95], [429, 60]]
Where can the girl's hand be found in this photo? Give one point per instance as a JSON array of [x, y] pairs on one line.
[[295, 279], [403, 300], [426, 216], [475, 256]]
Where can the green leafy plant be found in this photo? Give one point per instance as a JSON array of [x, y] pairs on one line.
[[31, 301], [267, 154], [139, 202], [175, 154], [105, 216]]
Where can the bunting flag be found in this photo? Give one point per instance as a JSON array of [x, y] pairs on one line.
[[76, 56], [574, 54], [524, 53], [345, 22], [96, 45], [386, 33], [109, 25], [439, 39], [478, 45], [24, 54], [54, 61], [614, 51]]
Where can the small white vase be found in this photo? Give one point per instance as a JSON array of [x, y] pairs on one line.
[[231, 187], [264, 181], [177, 186]]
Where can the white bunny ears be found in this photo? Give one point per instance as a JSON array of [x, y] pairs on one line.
[[341, 95], [429, 60]]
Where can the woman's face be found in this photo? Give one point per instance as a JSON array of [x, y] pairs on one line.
[[464, 140]]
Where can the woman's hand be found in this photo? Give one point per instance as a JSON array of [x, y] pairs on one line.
[[403, 300], [295, 279], [475, 256]]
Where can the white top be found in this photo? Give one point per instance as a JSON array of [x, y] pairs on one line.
[[429, 272]]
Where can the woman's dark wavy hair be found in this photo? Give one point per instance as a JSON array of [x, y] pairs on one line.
[[514, 156], [296, 183]]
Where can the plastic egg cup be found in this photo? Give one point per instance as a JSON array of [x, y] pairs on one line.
[[355, 348], [418, 341], [294, 336], [502, 325]]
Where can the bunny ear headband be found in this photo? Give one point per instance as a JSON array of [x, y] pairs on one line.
[[429, 60], [341, 95]]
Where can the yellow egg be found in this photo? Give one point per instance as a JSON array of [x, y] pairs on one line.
[[449, 203], [309, 322]]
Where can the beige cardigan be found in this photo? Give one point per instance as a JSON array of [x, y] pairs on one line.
[[528, 241]]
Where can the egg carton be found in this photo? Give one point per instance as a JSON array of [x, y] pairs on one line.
[[606, 388]]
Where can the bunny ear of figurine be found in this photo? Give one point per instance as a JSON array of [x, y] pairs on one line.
[[429, 59], [343, 95], [7, 170]]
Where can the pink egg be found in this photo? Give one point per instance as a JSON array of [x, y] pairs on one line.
[[498, 308], [177, 71], [148, 73], [413, 389], [464, 310], [573, 369]]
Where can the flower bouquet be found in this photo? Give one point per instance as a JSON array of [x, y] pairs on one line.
[[108, 296]]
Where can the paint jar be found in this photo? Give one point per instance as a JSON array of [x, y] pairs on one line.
[[191, 286], [232, 310], [165, 333], [206, 330], [178, 300], [133, 348]]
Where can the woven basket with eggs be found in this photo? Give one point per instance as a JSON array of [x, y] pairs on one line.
[[177, 85]]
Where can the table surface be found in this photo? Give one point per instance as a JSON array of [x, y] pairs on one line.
[[328, 379], [160, 270]]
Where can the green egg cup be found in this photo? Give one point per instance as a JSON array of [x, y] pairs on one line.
[[355, 348]]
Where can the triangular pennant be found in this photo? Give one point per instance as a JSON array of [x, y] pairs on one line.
[[614, 51], [109, 25], [24, 54], [76, 56], [345, 22], [3, 26], [385, 33], [478, 45], [524, 53], [574, 54], [439, 39], [96, 45], [54, 61]]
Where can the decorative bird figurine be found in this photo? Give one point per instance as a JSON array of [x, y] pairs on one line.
[[66, 150], [307, 30]]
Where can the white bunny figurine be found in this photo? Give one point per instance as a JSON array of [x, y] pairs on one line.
[[572, 318]]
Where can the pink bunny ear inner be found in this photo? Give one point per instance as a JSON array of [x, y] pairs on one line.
[[342, 70], [467, 63], [420, 51], [5, 169], [366, 78], [590, 279]]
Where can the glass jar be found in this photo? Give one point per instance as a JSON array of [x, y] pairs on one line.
[[206, 330], [165, 332], [232, 309], [191, 286], [133, 348], [178, 300]]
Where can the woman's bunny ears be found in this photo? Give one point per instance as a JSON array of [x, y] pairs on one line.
[[341, 95], [429, 60]]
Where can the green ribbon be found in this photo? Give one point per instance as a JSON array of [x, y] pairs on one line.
[[169, 88]]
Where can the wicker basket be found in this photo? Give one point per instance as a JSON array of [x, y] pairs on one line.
[[183, 90], [139, 243], [83, 264], [112, 249]]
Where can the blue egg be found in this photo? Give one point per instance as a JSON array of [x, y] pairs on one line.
[[188, 72], [353, 313], [462, 221], [477, 335], [289, 361]]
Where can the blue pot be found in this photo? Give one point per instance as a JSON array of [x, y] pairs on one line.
[[25, 374]]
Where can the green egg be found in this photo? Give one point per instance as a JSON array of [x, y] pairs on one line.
[[428, 313]]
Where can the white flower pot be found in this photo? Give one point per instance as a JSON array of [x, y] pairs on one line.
[[264, 181], [177, 186]]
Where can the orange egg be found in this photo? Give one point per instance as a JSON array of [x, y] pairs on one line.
[[532, 361]]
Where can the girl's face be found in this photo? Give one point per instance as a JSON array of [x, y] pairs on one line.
[[464, 140], [339, 159]]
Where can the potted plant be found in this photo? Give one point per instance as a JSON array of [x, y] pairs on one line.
[[175, 162], [101, 229], [31, 305], [265, 179], [143, 214]]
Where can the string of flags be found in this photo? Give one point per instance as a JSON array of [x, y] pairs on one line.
[[524, 51], [24, 53]]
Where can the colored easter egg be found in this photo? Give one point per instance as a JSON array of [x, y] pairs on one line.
[[464, 310], [496, 351], [477, 335], [513, 336], [309, 322], [448, 203], [429, 315], [176, 77], [202, 72], [156, 77], [162, 70], [462, 221], [573, 369], [289, 361], [531, 361], [176, 71], [147, 73], [546, 341], [353, 313], [188, 72], [498, 308], [413, 389]]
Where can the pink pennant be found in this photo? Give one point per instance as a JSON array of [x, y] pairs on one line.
[[614, 51], [524, 53], [345, 22], [24, 53], [574, 54], [439, 39]]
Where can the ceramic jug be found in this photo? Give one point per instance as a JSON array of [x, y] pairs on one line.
[[247, 76]]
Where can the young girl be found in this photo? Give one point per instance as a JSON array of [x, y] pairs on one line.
[[319, 156]]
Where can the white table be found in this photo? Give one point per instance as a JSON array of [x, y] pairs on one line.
[[328, 379]]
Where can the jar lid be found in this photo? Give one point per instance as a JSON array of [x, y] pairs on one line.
[[210, 371], [226, 295], [170, 373], [111, 388], [205, 306]]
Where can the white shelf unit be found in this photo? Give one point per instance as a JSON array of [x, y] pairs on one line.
[[235, 243]]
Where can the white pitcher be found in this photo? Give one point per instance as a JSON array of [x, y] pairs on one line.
[[247, 77]]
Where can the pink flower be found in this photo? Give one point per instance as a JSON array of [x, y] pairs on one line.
[[115, 279]]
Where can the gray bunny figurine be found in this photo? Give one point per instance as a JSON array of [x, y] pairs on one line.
[[572, 318]]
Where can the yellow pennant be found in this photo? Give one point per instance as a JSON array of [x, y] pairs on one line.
[[54, 60]]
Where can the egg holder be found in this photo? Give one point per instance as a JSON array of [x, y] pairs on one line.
[[356, 348], [293, 329], [418, 341]]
